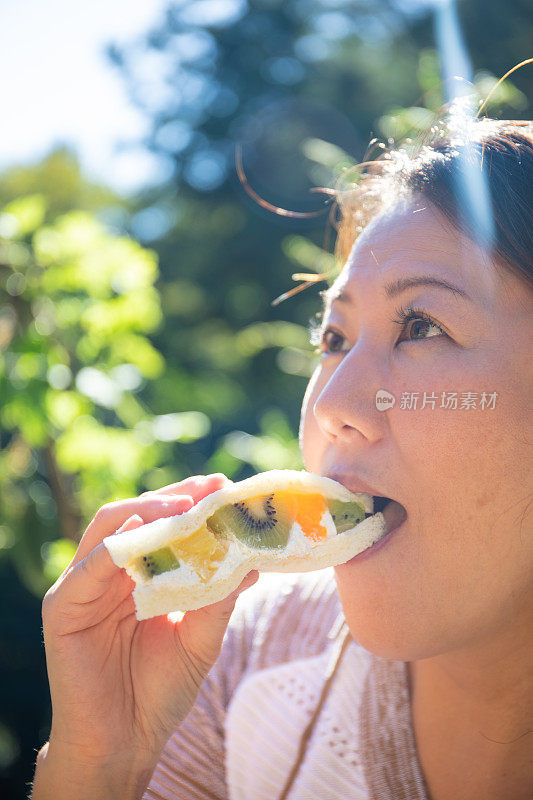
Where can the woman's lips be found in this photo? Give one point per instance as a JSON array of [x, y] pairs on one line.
[[394, 515], [394, 519], [395, 512]]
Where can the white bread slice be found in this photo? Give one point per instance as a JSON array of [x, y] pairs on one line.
[[182, 589]]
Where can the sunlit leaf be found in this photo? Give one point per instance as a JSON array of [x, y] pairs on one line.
[[9, 746], [57, 555], [184, 427], [28, 211], [64, 407], [327, 154], [254, 338], [26, 413], [306, 254], [138, 351], [88, 445]]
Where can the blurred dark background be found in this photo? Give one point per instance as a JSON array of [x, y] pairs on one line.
[[138, 343]]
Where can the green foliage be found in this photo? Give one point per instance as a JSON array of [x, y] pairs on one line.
[[308, 255], [78, 303], [9, 747], [23, 216], [57, 555], [413, 121], [58, 179], [82, 383], [273, 448]]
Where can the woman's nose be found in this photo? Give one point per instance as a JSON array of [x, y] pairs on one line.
[[345, 409]]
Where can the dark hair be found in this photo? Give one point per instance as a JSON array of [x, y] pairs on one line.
[[502, 151]]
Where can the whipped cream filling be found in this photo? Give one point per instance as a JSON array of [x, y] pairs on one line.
[[238, 553], [188, 576]]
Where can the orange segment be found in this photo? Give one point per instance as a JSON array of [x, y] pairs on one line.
[[308, 510]]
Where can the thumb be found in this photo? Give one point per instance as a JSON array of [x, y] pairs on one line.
[[201, 631]]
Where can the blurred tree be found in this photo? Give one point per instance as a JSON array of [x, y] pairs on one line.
[[58, 176], [206, 75], [74, 355], [77, 302]]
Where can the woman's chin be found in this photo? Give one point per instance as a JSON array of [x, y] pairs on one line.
[[372, 600]]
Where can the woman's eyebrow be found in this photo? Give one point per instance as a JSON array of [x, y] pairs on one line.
[[400, 285]]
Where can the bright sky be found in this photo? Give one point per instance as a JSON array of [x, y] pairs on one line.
[[57, 86]]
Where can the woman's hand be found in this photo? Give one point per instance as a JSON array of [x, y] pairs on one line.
[[120, 687]]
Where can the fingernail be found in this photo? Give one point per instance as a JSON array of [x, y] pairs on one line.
[[182, 498], [126, 525]]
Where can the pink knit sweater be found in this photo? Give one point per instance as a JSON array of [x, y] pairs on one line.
[[241, 739]]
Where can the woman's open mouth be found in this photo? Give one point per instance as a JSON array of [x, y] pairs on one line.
[[393, 512]]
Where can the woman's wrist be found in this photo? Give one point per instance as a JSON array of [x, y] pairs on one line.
[[61, 774]]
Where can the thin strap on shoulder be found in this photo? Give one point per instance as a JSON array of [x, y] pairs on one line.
[[340, 646], [388, 748]]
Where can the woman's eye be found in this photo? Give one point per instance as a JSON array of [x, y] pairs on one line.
[[422, 329], [333, 342], [416, 325]]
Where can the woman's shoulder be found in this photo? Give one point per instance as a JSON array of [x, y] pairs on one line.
[[286, 616]]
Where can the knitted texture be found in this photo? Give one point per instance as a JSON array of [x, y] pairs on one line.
[[242, 737]]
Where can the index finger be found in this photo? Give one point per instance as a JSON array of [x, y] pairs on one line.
[[197, 486], [110, 517]]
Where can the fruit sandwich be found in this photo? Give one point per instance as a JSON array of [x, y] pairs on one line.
[[277, 521]]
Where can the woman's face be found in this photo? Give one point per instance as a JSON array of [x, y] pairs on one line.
[[458, 571]]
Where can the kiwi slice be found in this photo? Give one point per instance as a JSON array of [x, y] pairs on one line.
[[257, 522], [345, 515], [158, 561], [217, 525]]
